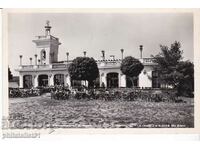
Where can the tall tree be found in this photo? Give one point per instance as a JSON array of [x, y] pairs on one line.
[[173, 71], [131, 67], [185, 85], [10, 76], [84, 68], [167, 61]]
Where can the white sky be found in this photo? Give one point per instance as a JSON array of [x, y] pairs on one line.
[[95, 32]]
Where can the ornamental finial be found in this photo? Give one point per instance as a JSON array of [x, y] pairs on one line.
[[47, 22]]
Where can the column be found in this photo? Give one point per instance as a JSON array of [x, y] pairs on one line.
[[123, 80], [21, 81], [103, 79], [20, 56], [35, 81], [67, 80], [122, 51], [145, 78], [119, 79], [51, 81], [67, 56], [84, 53]]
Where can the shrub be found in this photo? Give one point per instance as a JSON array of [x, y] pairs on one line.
[[17, 92], [45, 89], [126, 94], [60, 95]]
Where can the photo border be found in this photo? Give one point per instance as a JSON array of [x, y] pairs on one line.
[[196, 35]]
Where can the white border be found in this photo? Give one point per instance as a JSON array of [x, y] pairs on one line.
[[196, 13]]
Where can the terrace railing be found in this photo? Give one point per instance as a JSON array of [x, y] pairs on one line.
[[148, 60], [27, 66], [59, 66]]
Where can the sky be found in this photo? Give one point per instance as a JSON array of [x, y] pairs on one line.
[[93, 32]]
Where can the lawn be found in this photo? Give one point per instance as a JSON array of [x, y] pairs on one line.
[[43, 112]]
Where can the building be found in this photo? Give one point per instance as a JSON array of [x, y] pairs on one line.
[[46, 70], [14, 82]]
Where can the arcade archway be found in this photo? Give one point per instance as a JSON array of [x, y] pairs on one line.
[[43, 80], [27, 81], [113, 80], [59, 79]]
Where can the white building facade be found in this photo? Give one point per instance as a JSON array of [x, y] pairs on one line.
[[46, 70]]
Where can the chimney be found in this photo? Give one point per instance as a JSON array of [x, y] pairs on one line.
[[103, 55], [141, 49]]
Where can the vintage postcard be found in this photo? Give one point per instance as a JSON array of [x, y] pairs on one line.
[[70, 71]]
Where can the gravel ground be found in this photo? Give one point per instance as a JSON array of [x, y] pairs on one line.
[[42, 112]]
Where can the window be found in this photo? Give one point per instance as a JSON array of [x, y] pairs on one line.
[[43, 54], [155, 79]]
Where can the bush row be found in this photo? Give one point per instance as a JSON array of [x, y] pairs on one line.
[[113, 94], [128, 94]]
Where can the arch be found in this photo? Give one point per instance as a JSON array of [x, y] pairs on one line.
[[58, 79], [43, 80], [27, 81], [112, 79], [43, 54]]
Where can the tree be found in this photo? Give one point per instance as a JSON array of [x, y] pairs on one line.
[[173, 71], [131, 67], [167, 61], [185, 85], [10, 76], [84, 68]]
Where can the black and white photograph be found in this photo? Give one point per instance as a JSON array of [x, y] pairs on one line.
[[100, 70]]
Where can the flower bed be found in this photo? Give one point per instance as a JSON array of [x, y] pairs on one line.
[[60, 92], [126, 94]]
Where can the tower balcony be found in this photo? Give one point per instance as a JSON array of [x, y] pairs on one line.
[[54, 66]]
